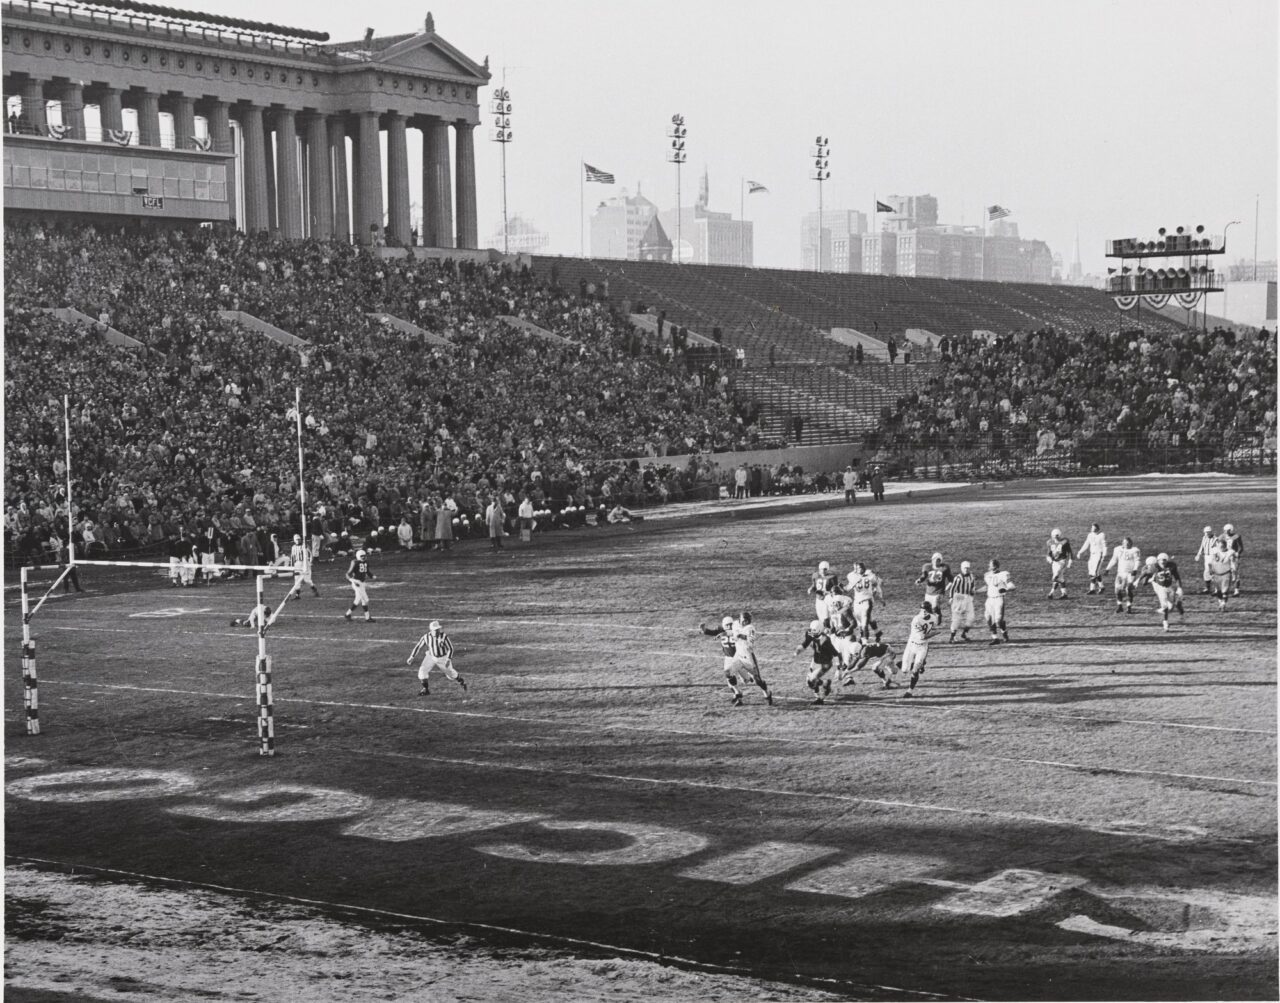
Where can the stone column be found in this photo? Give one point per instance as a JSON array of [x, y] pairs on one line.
[[341, 187], [369, 180], [34, 116], [437, 185], [73, 109], [468, 224], [256, 216], [290, 186], [398, 222], [273, 215], [319, 179], [148, 118], [219, 127], [110, 110], [184, 122]]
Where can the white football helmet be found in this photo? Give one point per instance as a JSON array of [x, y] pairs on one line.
[[1228, 528], [360, 555], [1162, 558], [815, 626], [727, 623], [936, 558], [823, 567], [1056, 534]]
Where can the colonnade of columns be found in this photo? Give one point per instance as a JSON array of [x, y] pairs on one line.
[[296, 175]]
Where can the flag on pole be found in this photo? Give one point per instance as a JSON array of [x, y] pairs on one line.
[[881, 207], [998, 212], [595, 174], [756, 186]]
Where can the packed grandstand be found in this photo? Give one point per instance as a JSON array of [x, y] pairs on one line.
[[514, 378]]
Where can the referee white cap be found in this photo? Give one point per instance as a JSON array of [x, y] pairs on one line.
[[435, 625], [965, 565]]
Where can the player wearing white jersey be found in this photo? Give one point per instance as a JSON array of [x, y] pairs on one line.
[[1095, 545], [825, 582], [257, 618], [1058, 557], [1127, 560], [1235, 543], [1203, 554], [438, 655], [917, 650], [1220, 565], [865, 586], [839, 620], [739, 658], [998, 585], [300, 557]]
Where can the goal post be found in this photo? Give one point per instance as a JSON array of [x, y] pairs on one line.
[[261, 619]]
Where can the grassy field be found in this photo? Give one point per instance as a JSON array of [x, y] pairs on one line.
[[1087, 812]]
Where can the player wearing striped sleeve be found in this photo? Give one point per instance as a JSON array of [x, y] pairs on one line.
[[1235, 543], [935, 576], [300, 557], [825, 582], [865, 587], [1220, 565], [357, 574], [824, 653], [960, 591], [1058, 557], [1162, 573], [998, 585], [1127, 560], [1095, 544], [438, 655], [917, 650], [737, 662]]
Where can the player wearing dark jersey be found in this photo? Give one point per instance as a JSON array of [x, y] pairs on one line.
[[824, 653], [357, 574], [739, 660], [879, 656], [825, 582], [1162, 573], [1235, 543], [935, 577], [1058, 556]]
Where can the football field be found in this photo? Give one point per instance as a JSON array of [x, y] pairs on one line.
[[1086, 812]]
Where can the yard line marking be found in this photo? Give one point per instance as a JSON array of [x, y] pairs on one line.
[[832, 742], [666, 959], [1011, 816], [888, 705]]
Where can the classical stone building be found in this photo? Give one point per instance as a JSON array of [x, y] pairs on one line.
[[260, 106]]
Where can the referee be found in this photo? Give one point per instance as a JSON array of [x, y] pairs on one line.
[[960, 592]]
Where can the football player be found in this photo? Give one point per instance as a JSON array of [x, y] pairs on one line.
[[1220, 566], [865, 587], [1127, 560], [1235, 543], [1162, 573], [734, 664], [917, 650], [879, 656], [1095, 544], [825, 581], [357, 574], [1058, 557], [998, 585], [824, 653], [935, 576], [841, 629]]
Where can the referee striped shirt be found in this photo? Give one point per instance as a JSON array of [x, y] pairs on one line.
[[438, 645], [962, 585]]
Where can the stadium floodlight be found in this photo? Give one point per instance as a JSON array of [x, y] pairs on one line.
[[820, 172], [500, 108], [677, 154], [1234, 222]]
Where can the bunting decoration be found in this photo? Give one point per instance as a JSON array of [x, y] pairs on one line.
[[202, 143], [1126, 302], [121, 137], [58, 131]]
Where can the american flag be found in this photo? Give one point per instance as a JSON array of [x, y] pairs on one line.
[[595, 174], [998, 212], [756, 186]]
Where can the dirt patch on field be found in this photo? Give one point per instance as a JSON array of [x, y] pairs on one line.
[[93, 939]]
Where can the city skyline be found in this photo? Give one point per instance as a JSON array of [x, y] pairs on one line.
[[978, 103]]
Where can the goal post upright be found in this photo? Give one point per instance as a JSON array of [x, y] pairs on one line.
[[262, 675]]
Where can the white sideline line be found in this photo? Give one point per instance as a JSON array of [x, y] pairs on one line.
[[826, 742], [663, 959]]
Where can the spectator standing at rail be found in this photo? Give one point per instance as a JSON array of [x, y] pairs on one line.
[[495, 518], [877, 484], [850, 486], [740, 481], [444, 523]]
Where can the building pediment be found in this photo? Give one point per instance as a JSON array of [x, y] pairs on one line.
[[430, 55]]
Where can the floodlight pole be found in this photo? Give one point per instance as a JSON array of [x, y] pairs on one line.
[[66, 431], [302, 490]]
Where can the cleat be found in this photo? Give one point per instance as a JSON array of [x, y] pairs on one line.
[[1119, 607], [888, 684], [819, 700], [768, 698], [1166, 625], [736, 701], [826, 689], [347, 614], [994, 640], [908, 693], [1005, 634], [953, 638], [463, 683], [1236, 592], [423, 690], [235, 623]]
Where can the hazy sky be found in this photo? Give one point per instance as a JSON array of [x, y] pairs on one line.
[[1115, 118]]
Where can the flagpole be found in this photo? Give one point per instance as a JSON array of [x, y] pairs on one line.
[[582, 206], [982, 257], [742, 220]]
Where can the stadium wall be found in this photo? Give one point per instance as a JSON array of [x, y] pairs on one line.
[[812, 458]]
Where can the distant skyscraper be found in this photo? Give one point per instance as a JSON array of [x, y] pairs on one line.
[[842, 230], [522, 236], [619, 224]]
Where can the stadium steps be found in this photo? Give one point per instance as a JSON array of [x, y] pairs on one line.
[[530, 328], [408, 328], [648, 323], [872, 348], [252, 323], [74, 318]]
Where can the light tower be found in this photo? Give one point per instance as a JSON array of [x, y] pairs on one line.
[[500, 106], [820, 153], [677, 155]]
